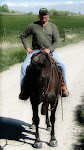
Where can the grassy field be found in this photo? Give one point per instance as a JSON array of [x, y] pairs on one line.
[[13, 52], [68, 22], [16, 24]]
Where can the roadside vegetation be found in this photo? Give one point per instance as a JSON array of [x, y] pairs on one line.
[[11, 57], [11, 26], [79, 117]]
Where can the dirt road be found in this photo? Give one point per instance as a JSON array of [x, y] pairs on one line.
[[16, 115]]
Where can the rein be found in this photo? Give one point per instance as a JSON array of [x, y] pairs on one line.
[[49, 88]]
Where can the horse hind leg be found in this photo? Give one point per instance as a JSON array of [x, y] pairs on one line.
[[44, 111], [53, 141], [48, 121]]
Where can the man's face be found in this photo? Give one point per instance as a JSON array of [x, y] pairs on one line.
[[44, 17]]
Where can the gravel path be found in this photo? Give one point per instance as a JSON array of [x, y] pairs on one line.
[[15, 113]]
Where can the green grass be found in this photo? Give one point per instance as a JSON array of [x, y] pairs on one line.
[[68, 22], [16, 24], [11, 57]]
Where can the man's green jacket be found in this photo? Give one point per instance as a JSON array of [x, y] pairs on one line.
[[42, 37]]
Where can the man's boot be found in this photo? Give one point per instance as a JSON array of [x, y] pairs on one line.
[[23, 95], [65, 92]]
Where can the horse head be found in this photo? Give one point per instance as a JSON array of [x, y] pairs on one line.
[[41, 60]]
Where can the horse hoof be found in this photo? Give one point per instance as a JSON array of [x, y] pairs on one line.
[[53, 143], [37, 145]]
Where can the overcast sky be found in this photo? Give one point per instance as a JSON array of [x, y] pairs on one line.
[[35, 5]]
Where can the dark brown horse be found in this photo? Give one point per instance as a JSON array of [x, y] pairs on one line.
[[42, 84]]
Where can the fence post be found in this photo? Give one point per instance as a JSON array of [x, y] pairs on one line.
[[64, 34], [78, 30], [4, 35], [71, 31]]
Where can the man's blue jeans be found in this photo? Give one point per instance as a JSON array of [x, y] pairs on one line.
[[27, 61]]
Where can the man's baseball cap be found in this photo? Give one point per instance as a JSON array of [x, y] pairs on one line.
[[43, 11]]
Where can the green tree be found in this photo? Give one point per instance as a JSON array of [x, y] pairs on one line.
[[5, 8], [52, 11], [30, 13], [0, 8], [13, 11]]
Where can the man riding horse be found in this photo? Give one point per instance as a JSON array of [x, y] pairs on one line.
[[45, 38]]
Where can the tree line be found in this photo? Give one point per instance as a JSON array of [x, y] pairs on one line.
[[52, 12], [4, 8]]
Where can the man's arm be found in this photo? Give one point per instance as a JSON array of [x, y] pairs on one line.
[[27, 32]]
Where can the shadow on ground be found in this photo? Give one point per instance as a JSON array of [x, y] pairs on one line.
[[16, 130], [12, 129]]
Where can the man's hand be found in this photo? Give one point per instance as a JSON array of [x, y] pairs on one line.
[[46, 50], [29, 50]]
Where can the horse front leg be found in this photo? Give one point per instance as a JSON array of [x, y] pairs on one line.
[[53, 141], [37, 143]]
